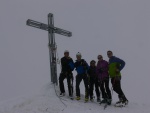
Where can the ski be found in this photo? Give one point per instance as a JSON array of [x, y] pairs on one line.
[[62, 99], [119, 106]]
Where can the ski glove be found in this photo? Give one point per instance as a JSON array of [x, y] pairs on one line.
[[117, 78], [117, 70], [101, 70]]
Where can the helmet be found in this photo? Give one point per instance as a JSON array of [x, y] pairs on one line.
[[78, 54]]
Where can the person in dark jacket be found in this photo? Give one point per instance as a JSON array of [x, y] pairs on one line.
[[93, 80], [81, 68], [115, 66], [102, 73], [67, 65]]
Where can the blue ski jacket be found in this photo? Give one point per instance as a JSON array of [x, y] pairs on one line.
[[81, 66]]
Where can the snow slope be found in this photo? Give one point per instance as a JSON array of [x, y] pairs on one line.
[[46, 101]]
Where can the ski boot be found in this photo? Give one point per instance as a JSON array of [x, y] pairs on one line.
[[122, 102], [86, 99], [108, 101], [71, 97], [98, 99], [91, 99], [125, 102], [62, 94], [103, 101], [77, 98]]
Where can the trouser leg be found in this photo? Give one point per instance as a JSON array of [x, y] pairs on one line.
[[91, 88], [97, 88], [116, 82], [104, 96], [70, 84], [78, 81], [61, 83], [108, 92], [85, 79]]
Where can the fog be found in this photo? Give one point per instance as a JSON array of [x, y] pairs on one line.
[[97, 26]]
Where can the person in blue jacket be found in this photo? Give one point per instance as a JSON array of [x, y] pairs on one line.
[[81, 67], [115, 67]]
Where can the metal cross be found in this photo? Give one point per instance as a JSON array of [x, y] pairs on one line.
[[51, 38]]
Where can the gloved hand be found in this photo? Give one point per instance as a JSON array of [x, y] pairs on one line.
[[88, 79], [117, 70], [62, 74], [101, 70], [70, 75], [117, 78]]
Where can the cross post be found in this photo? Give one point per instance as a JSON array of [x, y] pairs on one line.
[[51, 41]]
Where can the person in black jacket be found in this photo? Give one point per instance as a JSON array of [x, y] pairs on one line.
[[67, 65], [93, 80]]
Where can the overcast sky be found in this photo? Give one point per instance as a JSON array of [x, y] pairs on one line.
[[97, 26]]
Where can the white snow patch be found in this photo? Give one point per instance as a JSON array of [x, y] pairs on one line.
[[47, 102]]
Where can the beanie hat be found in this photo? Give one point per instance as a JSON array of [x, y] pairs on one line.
[[78, 54], [92, 61], [66, 51]]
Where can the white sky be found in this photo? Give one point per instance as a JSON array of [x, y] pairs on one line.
[[97, 26]]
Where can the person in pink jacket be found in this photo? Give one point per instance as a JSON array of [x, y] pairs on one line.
[[103, 77]]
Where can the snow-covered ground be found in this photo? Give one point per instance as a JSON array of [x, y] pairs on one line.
[[46, 101]]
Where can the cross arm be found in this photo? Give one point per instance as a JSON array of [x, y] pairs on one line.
[[61, 31], [47, 28], [37, 24]]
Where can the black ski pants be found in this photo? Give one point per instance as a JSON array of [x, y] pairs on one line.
[[79, 78], [94, 81], [116, 83], [104, 86], [69, 77]]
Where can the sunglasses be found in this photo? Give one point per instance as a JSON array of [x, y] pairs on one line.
[[109, 53], [93, 63]]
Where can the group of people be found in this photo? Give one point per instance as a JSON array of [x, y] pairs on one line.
[[97, 75]]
